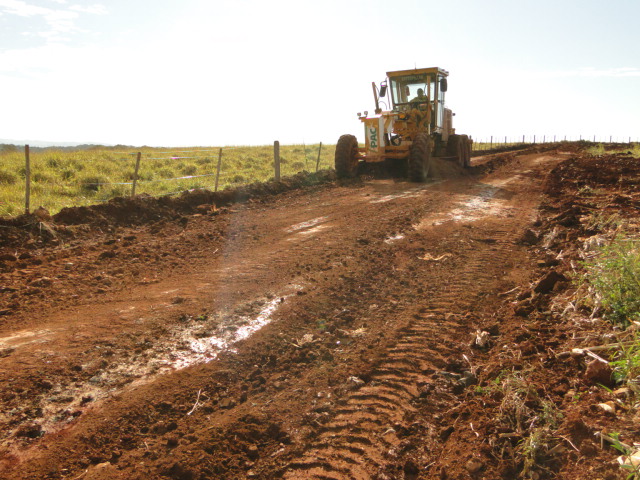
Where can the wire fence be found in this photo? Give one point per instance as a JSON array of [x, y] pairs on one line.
[[503, 141], [170, 172], [153, 172]]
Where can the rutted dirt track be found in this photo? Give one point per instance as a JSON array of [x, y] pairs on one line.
[[319, 333]]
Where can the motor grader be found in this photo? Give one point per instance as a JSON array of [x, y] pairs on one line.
[[415, 126]]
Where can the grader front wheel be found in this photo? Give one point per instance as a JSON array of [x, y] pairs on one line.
[[347, 156], [420, 158]]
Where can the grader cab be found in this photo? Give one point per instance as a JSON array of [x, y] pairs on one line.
[[415, 126]]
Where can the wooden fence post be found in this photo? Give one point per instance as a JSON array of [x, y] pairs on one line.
[[27, 176], [522, 138], [135, 175], [318, 161], [215, 188], [304, 150], [276, 159], [491, 144]]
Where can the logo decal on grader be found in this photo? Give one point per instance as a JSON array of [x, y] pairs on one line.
[[373, 137]]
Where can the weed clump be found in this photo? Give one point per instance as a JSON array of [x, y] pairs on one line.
[[613, 274], [7, 178], [91, 184], [532, 419]]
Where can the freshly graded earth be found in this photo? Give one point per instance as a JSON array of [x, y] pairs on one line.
[[315, 329]]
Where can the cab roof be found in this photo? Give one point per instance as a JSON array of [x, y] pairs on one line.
[[432, 70]]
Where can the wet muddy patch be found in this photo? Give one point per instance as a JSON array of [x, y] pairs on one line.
[[194, 339], [487, 199]]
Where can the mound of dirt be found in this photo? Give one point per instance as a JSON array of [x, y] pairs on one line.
[[33, 230], [142, 209], [592, 172], [441, 169], [25, 230]]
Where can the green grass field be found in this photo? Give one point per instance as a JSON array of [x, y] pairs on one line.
[[62, 178], [73, 178]]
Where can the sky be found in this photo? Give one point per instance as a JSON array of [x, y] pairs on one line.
[[248, 72]]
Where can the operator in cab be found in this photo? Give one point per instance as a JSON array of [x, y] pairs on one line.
[[421, 98]]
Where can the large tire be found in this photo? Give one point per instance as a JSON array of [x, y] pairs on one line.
[[458, 147], [347, 156], [466, 149], [420, 158]]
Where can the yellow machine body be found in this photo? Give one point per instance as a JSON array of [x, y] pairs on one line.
[[410, 122], [389, 133]]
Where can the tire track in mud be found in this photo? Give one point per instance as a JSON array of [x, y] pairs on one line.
[[361, 439]]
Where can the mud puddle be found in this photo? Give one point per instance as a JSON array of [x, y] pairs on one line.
[[25, 337], [194, 340], [230, 330], [487, 199], [408, 193], [394, 238], [306, 225]]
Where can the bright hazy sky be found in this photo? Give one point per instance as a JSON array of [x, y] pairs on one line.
[[225, 72]]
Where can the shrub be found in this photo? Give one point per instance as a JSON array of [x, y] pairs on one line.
[[41, 177], [114, 191], [164, 173], [7, 178], [53, 161], [297, 166], [189, 170], [596, 149], [614, 275], [91, 184], [67, 173]]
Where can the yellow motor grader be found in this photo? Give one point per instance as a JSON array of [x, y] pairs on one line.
[[415, 126]]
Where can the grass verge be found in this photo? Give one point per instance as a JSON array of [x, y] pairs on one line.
[[85, 177], [613, 273]]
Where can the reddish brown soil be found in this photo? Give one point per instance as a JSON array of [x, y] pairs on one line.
[[370, 292]]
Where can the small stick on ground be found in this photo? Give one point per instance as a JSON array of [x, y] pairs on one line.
[[197, 404], [569, 442]]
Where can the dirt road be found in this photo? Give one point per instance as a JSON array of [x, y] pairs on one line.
[[298, 336]]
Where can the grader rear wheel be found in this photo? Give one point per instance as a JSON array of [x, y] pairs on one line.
[[458, 147], [420, 158], [346, 159], [466, 151]]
